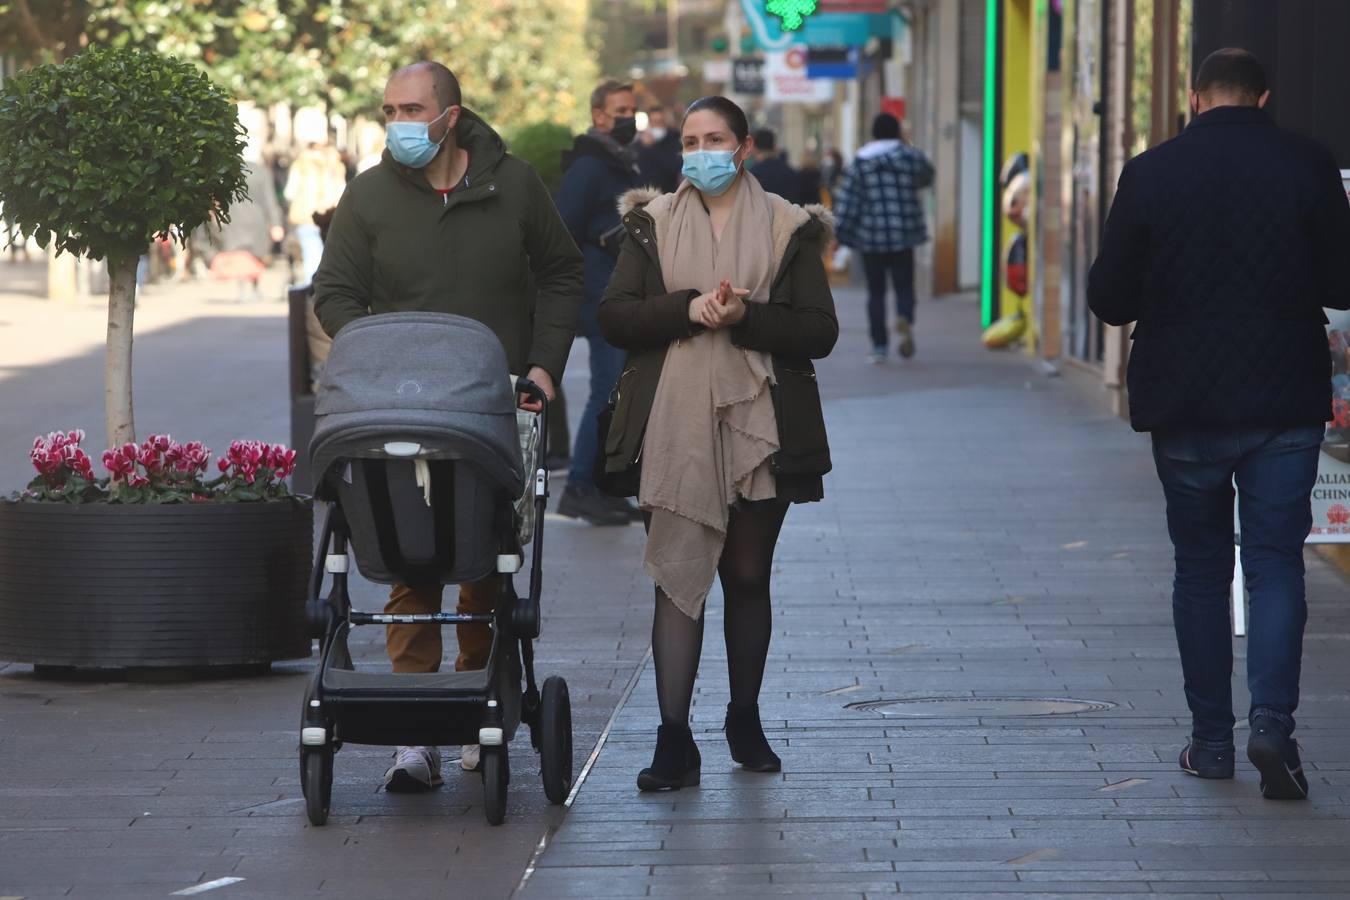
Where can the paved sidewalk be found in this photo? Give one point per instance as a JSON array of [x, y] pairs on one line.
[[986, 533]]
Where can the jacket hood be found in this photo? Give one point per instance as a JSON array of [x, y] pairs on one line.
[[788, 217], [884, 155], [486, 150]]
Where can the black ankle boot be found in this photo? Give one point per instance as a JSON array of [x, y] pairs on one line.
[[675, 764], [745, 735]]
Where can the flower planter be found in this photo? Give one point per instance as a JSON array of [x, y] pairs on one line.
[[112, 586]]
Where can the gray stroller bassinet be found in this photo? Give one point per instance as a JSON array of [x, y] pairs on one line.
[[418, 453]]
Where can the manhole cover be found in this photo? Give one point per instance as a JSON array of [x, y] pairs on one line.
[[958, 707]]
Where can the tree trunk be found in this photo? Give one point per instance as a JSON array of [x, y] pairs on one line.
[[117, 373]]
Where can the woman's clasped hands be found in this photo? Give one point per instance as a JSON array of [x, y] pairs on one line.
[[720, 308]]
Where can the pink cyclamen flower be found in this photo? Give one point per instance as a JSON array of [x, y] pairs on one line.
[[161, 442], [138, 481], [149, 458], [223, 464], [117, 464]]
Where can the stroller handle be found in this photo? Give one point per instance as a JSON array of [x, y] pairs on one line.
[[534, 391]]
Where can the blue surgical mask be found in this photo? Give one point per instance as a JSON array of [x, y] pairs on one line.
[[410, 144], [711, 171]]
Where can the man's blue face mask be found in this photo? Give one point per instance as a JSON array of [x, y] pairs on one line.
[[410, 143]]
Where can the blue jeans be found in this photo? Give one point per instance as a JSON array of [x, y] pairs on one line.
[[311, 251], [606, 367], [1275, 470], [900, 267]]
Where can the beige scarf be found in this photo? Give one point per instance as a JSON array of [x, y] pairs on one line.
[[712, 427]]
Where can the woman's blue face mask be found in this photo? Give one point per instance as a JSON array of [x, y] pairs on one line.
[[410, 144], [711, 171]]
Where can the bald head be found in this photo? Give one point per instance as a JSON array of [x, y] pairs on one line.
[[1229, 77], [425, 92], [443, 84]]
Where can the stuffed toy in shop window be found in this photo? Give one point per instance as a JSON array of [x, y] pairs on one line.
[[1016, 180]]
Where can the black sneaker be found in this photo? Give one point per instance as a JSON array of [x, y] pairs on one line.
[[1204, 763], [1275, 756], [585, 502], [624, 506]]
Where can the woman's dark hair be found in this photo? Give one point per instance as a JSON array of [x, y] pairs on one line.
[[732, 114]]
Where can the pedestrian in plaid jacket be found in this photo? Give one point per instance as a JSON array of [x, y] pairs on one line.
[[877, 213]]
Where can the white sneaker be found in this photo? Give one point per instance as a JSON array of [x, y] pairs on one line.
[[876, 357], [470, 757], [414, 769]]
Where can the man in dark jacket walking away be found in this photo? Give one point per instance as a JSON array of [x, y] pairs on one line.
[[600, 167], [1223, 246], [772, 171], [877, 212], [660, 155], [449, 222]]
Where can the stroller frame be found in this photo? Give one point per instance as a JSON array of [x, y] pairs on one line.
[[483, 707]]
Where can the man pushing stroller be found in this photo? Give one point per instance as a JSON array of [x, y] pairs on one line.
[[449, 222]]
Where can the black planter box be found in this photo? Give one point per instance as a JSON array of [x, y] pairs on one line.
[[105, 586]]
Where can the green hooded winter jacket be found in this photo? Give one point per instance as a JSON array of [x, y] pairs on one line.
[[495, 250]]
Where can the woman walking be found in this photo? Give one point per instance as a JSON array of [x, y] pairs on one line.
[[721, 300]]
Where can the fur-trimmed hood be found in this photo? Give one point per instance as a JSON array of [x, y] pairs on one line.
[[788, 218]]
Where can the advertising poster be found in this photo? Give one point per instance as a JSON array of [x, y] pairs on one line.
[[1331, 494]]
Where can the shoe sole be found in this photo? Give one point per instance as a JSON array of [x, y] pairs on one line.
[[605, 522], [1278, 781], [766, 767], [650, 783], [403, 783], [907, 348]]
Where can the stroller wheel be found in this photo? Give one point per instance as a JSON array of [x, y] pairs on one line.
[[555, 745], [316, 781], [496, 775]]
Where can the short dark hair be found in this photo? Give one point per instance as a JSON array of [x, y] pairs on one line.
[[605, 89], [732, 114], [765, 140], [886, 127], [1232, 70]]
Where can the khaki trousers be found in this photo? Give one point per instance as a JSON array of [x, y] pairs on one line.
[[417, 648]]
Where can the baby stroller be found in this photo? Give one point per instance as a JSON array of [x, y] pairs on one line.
[[418, 453]]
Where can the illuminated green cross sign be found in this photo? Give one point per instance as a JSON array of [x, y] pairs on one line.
[[792, 12]]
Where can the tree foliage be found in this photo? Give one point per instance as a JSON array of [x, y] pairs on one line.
[[519, 60], [110, 149], [542, 145]]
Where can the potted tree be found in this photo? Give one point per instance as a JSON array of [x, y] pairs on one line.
[[153, 563]]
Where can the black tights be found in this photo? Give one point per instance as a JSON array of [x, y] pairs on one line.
[[744, 569]]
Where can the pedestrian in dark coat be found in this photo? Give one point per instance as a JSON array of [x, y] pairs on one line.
[[772, 171], [450, 222], [1223, 245], [722, 302], [600, 167], [659, 151]]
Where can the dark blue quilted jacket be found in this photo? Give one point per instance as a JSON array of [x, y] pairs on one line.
[[1223, 245]]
